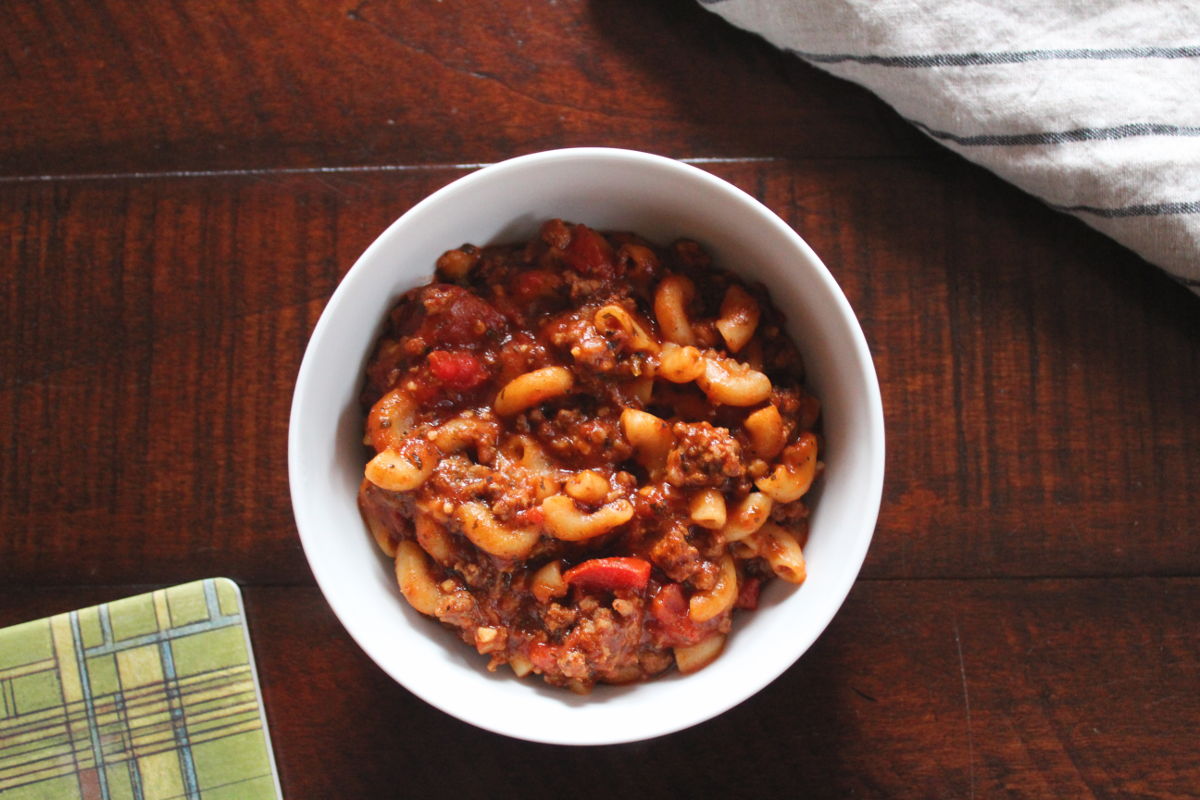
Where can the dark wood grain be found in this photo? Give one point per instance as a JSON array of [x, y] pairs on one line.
[[111, 86], [182, 185], [917, 689], [1040, 383]]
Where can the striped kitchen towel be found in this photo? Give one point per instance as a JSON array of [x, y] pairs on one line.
[[1091, 105]]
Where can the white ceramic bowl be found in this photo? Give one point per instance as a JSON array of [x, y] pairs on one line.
[[660, 199]]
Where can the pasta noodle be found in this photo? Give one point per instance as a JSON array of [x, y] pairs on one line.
[[548, 582], [533, 388], [781, 550], [382, 534], [670, 308], [564, 520], [707, 509], [791, 479], [747, 516], [767, 435], [415, 578], [587, 486], [433, 538], [650, 436], [489, 535], [708, 603], [614, 318], [692, 658], [738, 319], [727, 382], [680, 364], [398, 471], [390, 419]]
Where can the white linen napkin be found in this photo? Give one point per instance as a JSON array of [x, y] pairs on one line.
[[1091, 105]]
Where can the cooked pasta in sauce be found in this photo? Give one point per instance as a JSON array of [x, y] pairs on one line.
[[589, 452]]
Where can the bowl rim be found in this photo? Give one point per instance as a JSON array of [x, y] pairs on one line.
[[874, 435]]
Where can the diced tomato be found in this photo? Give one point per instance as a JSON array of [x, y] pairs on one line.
[[530, 516], [669, 604], [610, 574], [748, 595], [455, 316], [543, 656], [529, 285], [424, 388], [589, 253], [457, 369], [669, 608]]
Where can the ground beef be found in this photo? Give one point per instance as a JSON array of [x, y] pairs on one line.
[[675, 555], [703, 455]]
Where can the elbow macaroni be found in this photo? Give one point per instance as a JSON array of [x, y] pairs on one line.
[[781, 550], [613, 318], [747, 516], [533, 388], [398, 471], [727, 382], [459, 433], [680, 364], [707, 509], [765, 428], [587, 486], [708, 603], [694, 657], [415, 578], [564, 520], [792, 477], [548, 582], [670, 308], [650, 436], [433, 538], [390, 419], [381, 533], [738, 319], [489, 535]]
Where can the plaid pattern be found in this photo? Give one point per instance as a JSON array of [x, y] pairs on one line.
[[146, 698]]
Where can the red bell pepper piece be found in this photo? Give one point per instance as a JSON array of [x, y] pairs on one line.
[[610, 574]]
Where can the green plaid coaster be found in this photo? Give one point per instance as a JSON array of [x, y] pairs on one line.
[[146, 698]]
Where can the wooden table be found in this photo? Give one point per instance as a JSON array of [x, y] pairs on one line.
[[183, 184]]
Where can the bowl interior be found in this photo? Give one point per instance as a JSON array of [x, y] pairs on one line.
[[607, 189]]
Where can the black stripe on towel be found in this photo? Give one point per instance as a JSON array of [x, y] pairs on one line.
[[1060, 137], [1141, 210], [1014, 57]]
